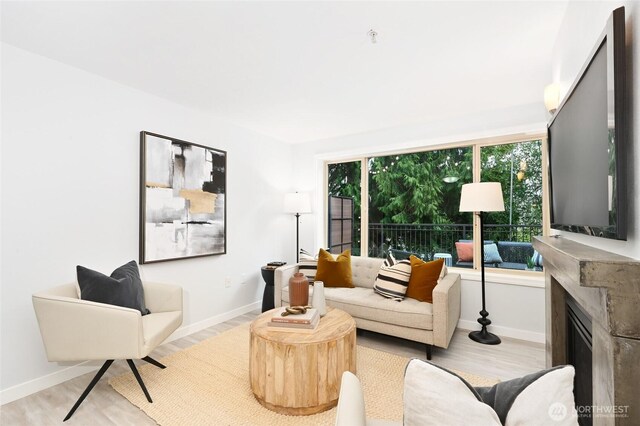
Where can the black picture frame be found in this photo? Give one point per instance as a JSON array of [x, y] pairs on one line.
[[183, 199]]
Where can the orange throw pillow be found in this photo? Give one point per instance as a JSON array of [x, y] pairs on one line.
[[424, 278], [465, 252], [334, 272]]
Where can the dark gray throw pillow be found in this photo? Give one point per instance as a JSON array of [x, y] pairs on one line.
[[122, 288]]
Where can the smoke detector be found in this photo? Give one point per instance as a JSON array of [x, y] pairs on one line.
[[373, 34]]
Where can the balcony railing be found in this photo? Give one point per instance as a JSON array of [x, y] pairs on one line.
[[428, 239]]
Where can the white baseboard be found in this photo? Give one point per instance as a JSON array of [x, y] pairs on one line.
[[514, 333], [206, 323], [36, 385]]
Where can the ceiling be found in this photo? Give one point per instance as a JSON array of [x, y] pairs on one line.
[[300, 71]]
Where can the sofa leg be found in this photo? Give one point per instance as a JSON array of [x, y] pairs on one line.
[[429, 352]]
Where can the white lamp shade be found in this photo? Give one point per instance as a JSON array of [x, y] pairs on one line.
[[552, 97], [296, 202], [481, 197]]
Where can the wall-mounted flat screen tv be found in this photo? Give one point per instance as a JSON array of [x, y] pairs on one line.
[[587, 143]]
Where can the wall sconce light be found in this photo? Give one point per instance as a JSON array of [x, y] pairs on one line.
[[552, 97]]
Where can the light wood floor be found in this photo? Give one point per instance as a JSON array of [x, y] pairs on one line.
[[104, 406]]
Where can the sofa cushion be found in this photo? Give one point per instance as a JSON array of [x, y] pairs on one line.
[[334, 272], [424, 278], [364, 270], [157, 327], [392, 281], [491, 254], [363, 303], [464, 251], [515, 251]]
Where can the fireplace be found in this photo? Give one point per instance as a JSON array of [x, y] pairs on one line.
[[592, 310], [579, 354]]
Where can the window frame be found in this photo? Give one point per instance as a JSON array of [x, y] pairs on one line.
[[476, 145]]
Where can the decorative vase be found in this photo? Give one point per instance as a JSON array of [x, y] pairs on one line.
[[318, 298], [298, 290]]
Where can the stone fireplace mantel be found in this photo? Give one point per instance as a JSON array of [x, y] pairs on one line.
[[607, 288]]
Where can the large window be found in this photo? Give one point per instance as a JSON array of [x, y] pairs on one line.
[[408, 203], [413, 203], [518, 167]]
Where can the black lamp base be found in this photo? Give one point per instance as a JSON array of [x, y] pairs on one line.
[[484, 337]]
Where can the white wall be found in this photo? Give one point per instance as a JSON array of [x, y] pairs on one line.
[[582, 25], [516, 304], [70, 176]]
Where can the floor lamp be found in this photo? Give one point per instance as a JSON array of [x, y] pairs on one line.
[[482, 197], [296, 202]]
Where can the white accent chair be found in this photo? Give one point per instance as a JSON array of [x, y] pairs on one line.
[[351, 409], [73, 329]]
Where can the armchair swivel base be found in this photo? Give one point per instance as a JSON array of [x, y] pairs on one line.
[[103, 370]]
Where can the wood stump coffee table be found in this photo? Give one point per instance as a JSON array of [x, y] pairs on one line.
[[299, 373]]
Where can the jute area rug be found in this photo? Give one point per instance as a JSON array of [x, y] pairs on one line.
[[208, 384]]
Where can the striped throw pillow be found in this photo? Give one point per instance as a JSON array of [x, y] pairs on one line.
[[390, 260], [537, 258], [392, 281]]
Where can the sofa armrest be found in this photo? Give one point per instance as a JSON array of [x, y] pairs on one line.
[[281, 280], [77, 330], [446, 309], [162, 297]]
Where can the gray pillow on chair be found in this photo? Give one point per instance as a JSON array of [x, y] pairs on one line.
[[122, 288]]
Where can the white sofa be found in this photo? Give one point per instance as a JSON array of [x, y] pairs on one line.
[[432, 324]]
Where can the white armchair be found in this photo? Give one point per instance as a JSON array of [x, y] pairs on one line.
[[351, 408], [73, 329], [435, 396]]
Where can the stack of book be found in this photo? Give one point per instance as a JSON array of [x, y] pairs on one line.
[[306, 322]]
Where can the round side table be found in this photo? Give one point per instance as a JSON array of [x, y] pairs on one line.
[[299, 373]]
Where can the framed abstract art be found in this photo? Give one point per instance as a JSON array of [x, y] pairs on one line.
[[182, 199]]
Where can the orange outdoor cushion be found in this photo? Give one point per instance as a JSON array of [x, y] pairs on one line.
[[334, 272], [424, 278], [465, 252]]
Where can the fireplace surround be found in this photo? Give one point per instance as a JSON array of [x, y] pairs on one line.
[[580, 355], [606, 288]]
